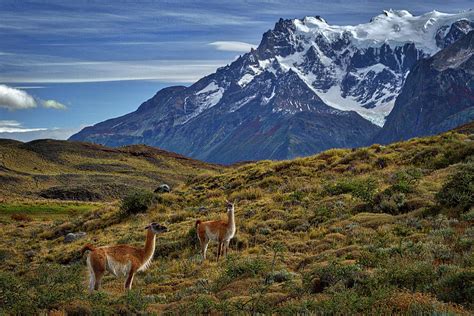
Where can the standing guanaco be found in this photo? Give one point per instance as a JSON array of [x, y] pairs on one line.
[[220, 231], [121, 259]]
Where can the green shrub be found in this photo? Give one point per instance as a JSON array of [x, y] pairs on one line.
[[15, 298], [137, 202], [246, 267], [135, 302], [389, 201], [457, 287], [405, 180], [458, 191], [363, 189], [201, 305], [279, 276], [414, 276], [55, 284], [237, 267], [322, 277]]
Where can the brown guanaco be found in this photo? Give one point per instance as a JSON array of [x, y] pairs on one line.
[[219, 230], [121, 259]]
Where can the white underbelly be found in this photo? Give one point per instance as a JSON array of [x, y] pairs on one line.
[[211, 235], [230, 234], [118, 268]]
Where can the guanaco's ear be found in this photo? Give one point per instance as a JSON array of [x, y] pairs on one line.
[[147, 227]]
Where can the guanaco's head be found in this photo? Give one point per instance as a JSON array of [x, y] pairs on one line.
[[156, 228], [229, 206]]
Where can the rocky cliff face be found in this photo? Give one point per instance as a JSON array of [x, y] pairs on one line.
[[309, 86], [438, 95]]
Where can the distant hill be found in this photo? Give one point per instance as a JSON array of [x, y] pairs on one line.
[[85, 171]]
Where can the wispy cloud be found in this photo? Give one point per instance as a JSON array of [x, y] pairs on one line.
[[50, 69], [16, 99], [11, 126], [232, 46], [29, 87], [15, 130]]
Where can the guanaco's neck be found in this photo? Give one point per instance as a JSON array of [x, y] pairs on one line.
[[231, 219], [149, 245]]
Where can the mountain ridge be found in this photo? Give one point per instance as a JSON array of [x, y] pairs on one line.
[[300, 66]]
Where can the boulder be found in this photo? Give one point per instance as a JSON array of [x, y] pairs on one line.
[[74, 236], [163, 188]]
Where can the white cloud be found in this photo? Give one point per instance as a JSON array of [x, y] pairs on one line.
[[231, 46], [16, 99], [15, 130], [16, 127], [53, 104]]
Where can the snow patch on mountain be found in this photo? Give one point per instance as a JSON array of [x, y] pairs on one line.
[[202, 100], [209, 96], [333, 97], [248, 77], [392, 27]]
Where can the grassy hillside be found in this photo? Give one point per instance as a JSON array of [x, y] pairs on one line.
[[83, 171], [383, 229]]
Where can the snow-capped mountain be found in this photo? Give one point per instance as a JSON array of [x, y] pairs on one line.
[[438, 94], [362, 67], [307, 87]]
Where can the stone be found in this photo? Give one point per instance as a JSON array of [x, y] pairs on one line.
[[163, 188], [74, 236]]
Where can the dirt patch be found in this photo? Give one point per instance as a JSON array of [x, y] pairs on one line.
[[71, 193]]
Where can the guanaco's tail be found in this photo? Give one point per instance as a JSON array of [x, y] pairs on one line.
[[87, 247], [198, 222]]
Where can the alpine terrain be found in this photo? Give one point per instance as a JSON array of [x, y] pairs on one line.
[[438, 94], [308, 86]]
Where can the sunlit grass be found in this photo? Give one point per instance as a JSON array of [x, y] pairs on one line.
[[46, 209]]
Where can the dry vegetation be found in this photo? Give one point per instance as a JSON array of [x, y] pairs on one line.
[[380, 230]]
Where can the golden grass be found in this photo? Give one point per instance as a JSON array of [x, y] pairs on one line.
[[287, 225]]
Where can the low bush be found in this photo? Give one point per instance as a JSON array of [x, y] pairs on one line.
[[322, 277], [457, 287], [413, 276], [363, 189], [247, 267], [137, 202], [15, 298], [404, 181], [389, 201], [134, 302], [236, 267], [458, 191]]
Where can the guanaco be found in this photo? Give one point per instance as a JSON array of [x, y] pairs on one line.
[[121, 259], [220, 231]]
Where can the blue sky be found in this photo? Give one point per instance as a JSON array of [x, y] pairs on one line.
[[68, 64]]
